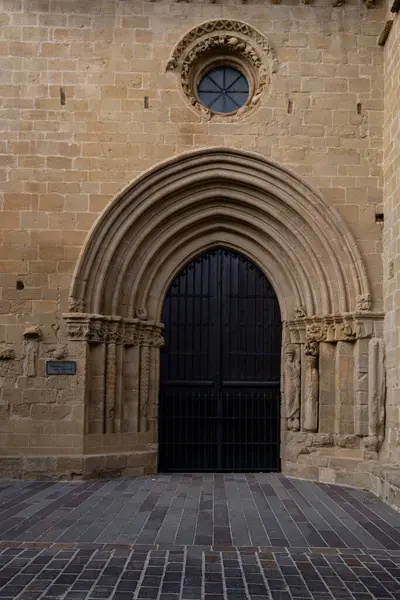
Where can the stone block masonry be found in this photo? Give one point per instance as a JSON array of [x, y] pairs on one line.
[[90, 101]]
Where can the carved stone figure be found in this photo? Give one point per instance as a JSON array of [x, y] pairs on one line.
[[311, 390], [292, 386], [32, 336], [316, 331]]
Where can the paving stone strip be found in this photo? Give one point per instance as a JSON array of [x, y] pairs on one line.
[[202, 536]]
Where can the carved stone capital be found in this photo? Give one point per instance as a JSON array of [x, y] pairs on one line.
[[33, 333], [97, 329], [364, 302], [316, 332], [76, 305], [334, 328]]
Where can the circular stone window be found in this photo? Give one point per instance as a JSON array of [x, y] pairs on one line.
[[223, 89], [225, 68]]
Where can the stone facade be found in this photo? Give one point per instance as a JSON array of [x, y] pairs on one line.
[[391, 173], [99, 117]]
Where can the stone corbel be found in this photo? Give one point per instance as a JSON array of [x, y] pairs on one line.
[[7, 353]]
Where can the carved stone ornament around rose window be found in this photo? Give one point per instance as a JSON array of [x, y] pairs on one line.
[[224, 41]]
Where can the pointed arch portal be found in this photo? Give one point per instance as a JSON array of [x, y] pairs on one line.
[[249, 206], [218, 196]]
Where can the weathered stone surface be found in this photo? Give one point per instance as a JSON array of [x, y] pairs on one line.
[[311, 393], [317, 233], [292, 388]]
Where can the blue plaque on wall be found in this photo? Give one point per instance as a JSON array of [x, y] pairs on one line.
[[61, 367]]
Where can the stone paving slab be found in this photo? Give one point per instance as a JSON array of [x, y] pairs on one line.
[[196, 537], [207, 510], [195, 574]]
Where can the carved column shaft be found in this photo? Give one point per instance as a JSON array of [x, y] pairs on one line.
[[144, 387], [111, 383], [311, 387], [376, 389], [97, 388], [361, 387], [311, 395], [344, 388], [130, 407], [326, 387], [154, 387], [119, 388]]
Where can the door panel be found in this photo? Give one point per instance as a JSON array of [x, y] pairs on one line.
[[220, 368]]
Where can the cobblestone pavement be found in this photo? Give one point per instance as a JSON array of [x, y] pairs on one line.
[[187, 537]]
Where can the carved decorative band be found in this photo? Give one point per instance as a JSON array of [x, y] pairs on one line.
[[333, 328], [104, 329], [219, 25]]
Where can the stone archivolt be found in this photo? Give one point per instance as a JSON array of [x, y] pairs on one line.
[[230, 42], [223, 197], [219, 197]]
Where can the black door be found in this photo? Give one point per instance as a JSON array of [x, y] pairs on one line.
[[220, 368]]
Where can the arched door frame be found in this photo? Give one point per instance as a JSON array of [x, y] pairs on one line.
[[177, 210]]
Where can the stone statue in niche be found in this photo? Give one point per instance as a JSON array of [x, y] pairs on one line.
[[311, 391], [32, 336], [292, 386]]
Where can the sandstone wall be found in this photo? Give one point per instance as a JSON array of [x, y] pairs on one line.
[[391, 149], [86, 106]]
